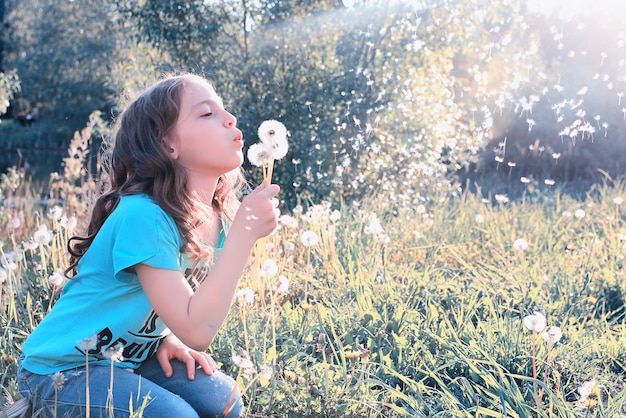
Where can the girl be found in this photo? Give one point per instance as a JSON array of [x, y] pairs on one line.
[[141, 296]]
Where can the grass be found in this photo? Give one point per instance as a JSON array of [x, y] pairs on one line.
[[397, 310]]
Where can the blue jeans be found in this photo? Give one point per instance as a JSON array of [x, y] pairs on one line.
[[145, 389]]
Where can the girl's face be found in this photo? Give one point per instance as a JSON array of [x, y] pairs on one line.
[[205, 139]]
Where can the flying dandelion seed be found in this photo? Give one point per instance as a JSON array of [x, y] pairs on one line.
[[535, 322]]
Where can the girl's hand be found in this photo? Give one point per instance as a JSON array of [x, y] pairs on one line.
[[172, 348], [256, 214]]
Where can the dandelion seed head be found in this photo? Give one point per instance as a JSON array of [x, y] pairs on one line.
[[14, 224], [114, 352], [479, 219], [282, 285], [55, 212], [245, 295], [535, 322], [29, 245], [259, 154], [618, 200], [88, 343], [520, 244], [268, 269], [266, 371], [3, 275], [56, 279], [579, 213], [242, 359], [42, 236], [309, 238], [58, 380], [552, 335]]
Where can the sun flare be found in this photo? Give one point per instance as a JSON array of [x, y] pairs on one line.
[[569, 8]]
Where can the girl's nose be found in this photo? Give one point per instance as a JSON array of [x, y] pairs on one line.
[[230, 120]]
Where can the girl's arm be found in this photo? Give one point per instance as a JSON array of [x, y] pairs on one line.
[[195, 318]]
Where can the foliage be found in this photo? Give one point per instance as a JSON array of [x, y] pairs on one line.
[[9, 86], [62, 52]]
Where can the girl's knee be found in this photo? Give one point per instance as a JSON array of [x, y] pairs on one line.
[[221, 397]]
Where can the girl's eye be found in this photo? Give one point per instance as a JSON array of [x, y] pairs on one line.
[[209, 114]]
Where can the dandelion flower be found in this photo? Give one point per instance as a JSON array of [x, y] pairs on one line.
[[383, 238], [245, 295], [259, 154], [58, 380], [282, 285], [269, 268], [502, 198], [68, 223], [266, 371], [374, 227], [273, 146], [114, 352], [29, 245], [55, 213], [56, 279], [552, 335], [88, 343], [42, 236], [242, 359], [309, 238], [520, 244], [8, 262], [274, 134], [14, 224], [587, 389], [535, 322]]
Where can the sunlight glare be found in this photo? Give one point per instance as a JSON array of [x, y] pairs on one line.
[[569, 8]]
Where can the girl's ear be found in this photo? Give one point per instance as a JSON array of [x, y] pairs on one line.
[[170, 147]]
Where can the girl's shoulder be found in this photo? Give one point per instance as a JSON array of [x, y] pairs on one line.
[[140, 206]]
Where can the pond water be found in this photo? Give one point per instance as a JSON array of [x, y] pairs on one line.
[[39, 163]]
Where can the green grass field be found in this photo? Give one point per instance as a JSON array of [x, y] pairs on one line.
[[385, 308]]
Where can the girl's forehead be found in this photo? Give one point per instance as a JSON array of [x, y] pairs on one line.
[[199, 90]]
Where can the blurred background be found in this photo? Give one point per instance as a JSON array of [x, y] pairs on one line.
[[510, 98]]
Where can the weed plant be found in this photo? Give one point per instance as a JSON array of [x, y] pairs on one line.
[[454, 307]]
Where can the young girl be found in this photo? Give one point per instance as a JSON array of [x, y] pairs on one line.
[[142, 296]]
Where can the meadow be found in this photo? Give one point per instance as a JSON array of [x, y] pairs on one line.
[[458, 306]]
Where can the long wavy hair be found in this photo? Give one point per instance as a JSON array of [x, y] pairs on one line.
[[140, 163]]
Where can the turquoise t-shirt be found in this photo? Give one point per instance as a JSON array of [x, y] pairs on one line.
[[104, 304]]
